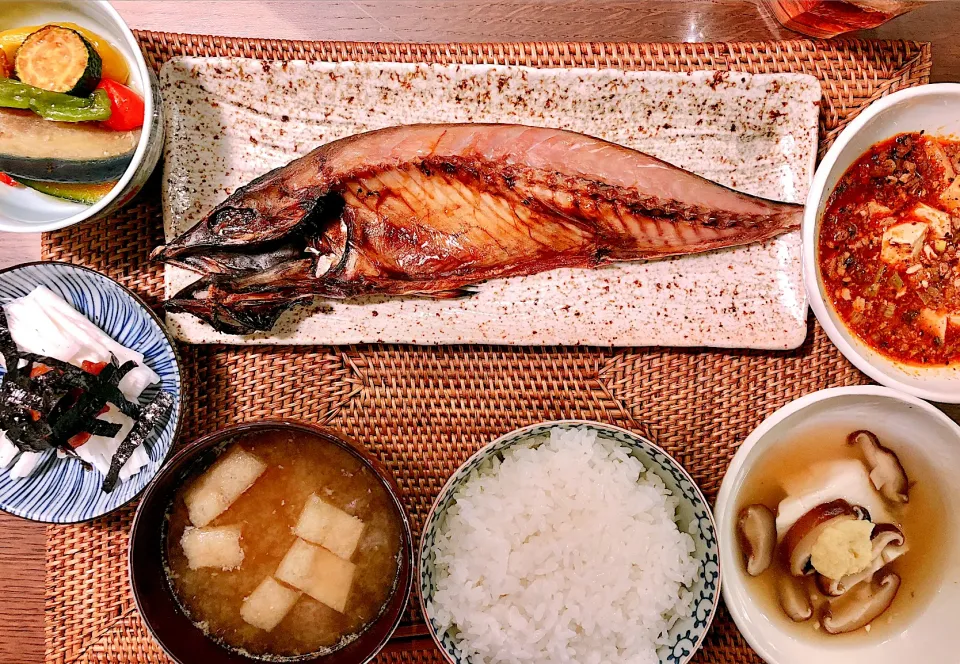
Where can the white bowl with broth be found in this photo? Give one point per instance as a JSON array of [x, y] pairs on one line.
[[927, 108], [920, 623], [23, 210]]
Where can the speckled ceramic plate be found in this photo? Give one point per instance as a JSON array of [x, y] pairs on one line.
[[230, 120]]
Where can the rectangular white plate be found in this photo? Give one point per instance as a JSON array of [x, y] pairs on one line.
[[229, 120]]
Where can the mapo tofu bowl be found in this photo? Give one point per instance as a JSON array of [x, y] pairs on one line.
[[881, 242], [271, 541]]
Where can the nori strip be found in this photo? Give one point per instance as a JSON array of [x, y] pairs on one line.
[[152, 413], [67, 399], [107, 380], [27, 435], [78, 376], [117, 373], [128, 408], [77, 418], [21, 397], [81, 416], [8, 348], [103, 428]]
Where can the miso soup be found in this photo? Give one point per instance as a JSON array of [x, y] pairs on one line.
[[286, 545]]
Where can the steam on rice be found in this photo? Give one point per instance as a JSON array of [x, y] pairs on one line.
[[562, 552]]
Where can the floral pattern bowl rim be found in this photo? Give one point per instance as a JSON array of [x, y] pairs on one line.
[[689, 633]]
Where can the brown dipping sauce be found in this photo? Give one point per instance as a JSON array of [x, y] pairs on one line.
[[298, 465]]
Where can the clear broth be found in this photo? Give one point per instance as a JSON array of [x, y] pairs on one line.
[[299, 464], [921, 521]]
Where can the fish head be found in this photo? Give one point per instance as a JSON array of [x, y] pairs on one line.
[[269, 220]]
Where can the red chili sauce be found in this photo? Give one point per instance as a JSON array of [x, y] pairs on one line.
[[889, 249]]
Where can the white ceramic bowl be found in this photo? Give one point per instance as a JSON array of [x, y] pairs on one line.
[[24, 210], [931, 635], [932, 108]]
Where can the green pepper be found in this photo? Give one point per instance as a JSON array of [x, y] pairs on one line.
[[54, 105], [98, 108]]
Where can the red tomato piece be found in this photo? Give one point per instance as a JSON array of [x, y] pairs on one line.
[[93, 367], [39, 370], [126, 106], [35, 415], [6, 179], [78, 440]]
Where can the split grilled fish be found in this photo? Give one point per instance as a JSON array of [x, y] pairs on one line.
[[430, 210]]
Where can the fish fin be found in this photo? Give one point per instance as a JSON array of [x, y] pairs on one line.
[[451, 294], [237, 319], [227, 313], [250, 317]]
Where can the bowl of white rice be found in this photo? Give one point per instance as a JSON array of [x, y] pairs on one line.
[[569, 541]]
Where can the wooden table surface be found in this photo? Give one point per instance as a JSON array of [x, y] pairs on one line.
[[21, 542]]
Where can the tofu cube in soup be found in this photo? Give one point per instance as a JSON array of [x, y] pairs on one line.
[[318, 572], [266, 606], [216, 490], [950, 198], [933, 323], [212, 547], [330, 527], [939, 220], [902, 243]]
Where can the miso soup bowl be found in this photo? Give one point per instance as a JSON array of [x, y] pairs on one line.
[[930, 634], [179, 637], [928, 108]]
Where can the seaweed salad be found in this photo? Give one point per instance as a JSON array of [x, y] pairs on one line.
[[49, 404]]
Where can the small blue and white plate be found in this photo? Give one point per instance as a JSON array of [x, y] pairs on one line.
[[60, 490], [693, 517]]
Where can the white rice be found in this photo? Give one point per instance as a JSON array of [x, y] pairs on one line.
[[566, 552]]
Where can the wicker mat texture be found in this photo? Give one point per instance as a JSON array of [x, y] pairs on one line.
[[425, 410]]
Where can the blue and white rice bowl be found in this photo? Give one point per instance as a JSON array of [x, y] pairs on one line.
[[60, 490], [693, 516]]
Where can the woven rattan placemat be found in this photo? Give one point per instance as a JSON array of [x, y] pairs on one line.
[[424, 410]]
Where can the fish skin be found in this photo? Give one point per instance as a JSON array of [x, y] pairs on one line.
[[432, 209]]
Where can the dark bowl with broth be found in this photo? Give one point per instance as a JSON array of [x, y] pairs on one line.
[[194, 614]]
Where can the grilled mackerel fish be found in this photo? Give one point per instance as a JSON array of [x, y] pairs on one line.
[[430, 210]]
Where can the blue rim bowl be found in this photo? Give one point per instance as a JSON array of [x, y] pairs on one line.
[[60, 490], [693, 516]]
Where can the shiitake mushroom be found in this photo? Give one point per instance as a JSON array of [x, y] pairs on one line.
[[757, 532], [862, 605], [794, 599], [886, 471]]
